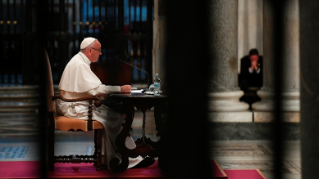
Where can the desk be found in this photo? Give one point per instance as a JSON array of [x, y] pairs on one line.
[[144, 145]]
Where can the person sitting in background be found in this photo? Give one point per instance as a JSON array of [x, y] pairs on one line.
[[251, 76]]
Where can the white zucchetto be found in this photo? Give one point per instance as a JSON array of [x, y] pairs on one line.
[[86, 42]]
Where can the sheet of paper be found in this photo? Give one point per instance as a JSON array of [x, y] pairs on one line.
[[137, 91]]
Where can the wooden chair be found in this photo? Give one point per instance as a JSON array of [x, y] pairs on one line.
[[69, 124]]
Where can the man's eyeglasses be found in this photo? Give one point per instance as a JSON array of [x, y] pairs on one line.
[[99, 50]]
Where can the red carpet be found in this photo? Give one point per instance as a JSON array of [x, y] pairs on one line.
[[244, 174], [218, 172], [29, 169]]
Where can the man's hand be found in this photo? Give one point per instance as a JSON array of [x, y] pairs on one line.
[[126, 89], [254, 65], [254, 61]]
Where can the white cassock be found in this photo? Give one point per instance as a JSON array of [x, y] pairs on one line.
[[79, 81]]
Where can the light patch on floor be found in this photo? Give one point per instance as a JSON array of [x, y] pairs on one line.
[[13, 152]]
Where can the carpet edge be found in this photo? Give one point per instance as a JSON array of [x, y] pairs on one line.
[[220, 168]]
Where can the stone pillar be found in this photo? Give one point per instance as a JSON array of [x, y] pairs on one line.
[[290, 86], [159, 36], [309, 78], [250, 27], [224, 92]]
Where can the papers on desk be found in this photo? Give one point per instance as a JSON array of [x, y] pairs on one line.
[[149, 92], [140, 91]]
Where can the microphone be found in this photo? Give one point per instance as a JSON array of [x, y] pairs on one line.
[[148, 79]]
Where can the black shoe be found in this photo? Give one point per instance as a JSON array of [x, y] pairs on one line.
[[147, 161]]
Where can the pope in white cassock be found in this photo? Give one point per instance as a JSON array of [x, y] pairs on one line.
[[79, 81]]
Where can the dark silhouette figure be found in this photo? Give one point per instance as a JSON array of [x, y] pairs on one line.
[[251, 76]]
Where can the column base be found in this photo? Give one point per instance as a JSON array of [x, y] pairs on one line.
[[290, 101], [227, 101]]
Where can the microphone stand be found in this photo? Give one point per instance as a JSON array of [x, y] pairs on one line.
[[148, 79]]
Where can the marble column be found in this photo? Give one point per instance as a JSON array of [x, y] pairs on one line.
[[309, 63], [224, 91], [159, 35], [250, 27], [290, 68]]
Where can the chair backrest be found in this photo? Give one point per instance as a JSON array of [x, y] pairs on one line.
[[49, 80]]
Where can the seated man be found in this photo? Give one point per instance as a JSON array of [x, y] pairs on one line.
[[79, 81], [251, 76]]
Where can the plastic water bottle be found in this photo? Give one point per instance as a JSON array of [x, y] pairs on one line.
[[157, 85]]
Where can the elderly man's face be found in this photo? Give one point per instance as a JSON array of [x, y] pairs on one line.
[[253, 58], [95, 51]]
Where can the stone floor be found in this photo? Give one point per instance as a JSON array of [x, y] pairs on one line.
[[18, 143], [257, 154]]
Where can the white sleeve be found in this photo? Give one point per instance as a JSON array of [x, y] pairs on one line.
[[103, 89], [251, 71], [258, 71]]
